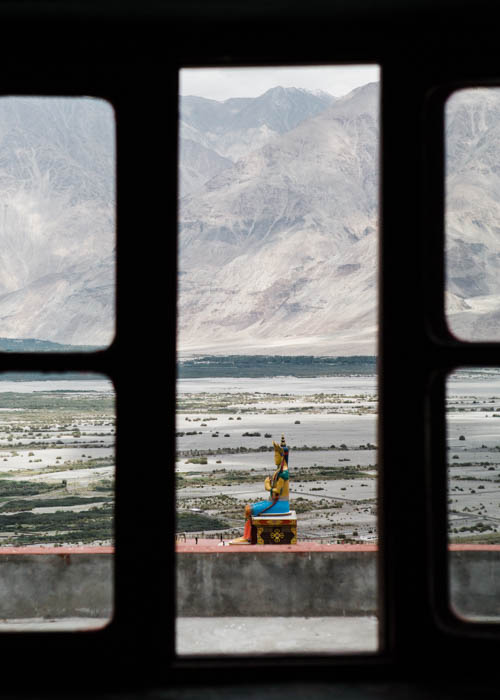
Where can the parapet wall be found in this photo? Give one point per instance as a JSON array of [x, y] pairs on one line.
[[55, 582], [308, 580], [475, 580], [304, 580]]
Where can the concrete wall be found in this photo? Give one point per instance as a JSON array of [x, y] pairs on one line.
[[313, 580], [294, 580], [475, 580], [56, 582], [303, 580]]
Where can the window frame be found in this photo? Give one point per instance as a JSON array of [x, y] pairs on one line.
[[449, 354], [120, 52]]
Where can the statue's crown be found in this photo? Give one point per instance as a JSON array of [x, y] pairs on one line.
[[281, 449]]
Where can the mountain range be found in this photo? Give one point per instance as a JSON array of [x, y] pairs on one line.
[[57, 220], [278, 237], [278, 219], [278, 251], [473, 213]]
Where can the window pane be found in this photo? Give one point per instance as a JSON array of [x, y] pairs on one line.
[[277, 301], [57, 224], [473, 214], [57, 454], [473, 418]]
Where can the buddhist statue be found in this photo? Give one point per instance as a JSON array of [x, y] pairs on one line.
[[278, 503]]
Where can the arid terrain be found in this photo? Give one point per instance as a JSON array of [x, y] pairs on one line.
[[57, 462], [225, 429]]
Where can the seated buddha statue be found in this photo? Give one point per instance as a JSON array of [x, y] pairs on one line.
[[278, 487]]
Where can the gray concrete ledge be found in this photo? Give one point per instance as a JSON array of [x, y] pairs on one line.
[[303, 580], [37, 583], [307, 580], [313, 580], [277, 635], [475, 581]]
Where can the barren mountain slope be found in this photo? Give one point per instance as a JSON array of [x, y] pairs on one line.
[[57, 219], [278, 253]]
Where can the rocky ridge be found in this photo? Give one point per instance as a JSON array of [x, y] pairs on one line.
[[278, 252]]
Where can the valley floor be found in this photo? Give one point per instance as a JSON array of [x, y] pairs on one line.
[[57, 463], [225, 429]]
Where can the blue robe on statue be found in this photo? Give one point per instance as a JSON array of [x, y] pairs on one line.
[[278, 502]]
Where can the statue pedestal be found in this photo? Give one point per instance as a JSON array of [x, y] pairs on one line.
[[277, 529]]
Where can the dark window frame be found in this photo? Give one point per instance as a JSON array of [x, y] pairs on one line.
[[129, 54]]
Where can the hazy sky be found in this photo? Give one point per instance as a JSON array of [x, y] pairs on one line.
[[222, 83]]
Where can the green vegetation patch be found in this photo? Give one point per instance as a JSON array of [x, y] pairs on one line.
[[304, 505], [484, 538], [25, 488], [61, 526], [223, 477], [197, 460], [54, 400], [330, 473], [25, 505], [194, 522], [79, 464], [259, 402], [241, 449], [104, 485], [219, 477], [221, 504]]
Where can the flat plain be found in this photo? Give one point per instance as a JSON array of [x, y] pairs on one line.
[[473, 456], [225, 430], [224, 433], [57, 462]]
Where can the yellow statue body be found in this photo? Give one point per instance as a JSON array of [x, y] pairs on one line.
[[279, 493]]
